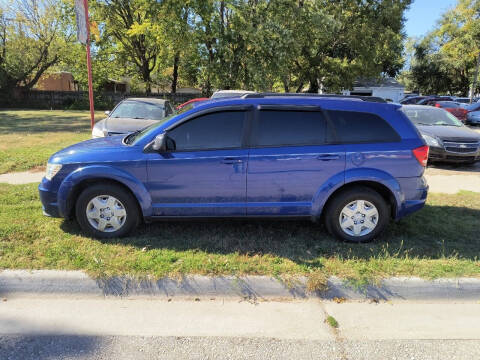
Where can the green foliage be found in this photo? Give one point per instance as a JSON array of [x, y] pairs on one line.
[[253, 44], [444, 60], [31, 41]]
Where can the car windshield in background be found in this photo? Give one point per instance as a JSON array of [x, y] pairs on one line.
[[431, 117], [138, 110], [449, 104], [133, 138]]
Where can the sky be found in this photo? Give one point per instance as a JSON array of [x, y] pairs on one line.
[[423, 15]]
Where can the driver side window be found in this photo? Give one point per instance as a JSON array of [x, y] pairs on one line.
[[218, 130]]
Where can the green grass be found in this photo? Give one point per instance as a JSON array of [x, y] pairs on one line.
[[440, 241], [29, 137], [330, 320]]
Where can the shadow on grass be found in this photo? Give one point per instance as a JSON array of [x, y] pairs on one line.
[[433, 233], [34, 121]]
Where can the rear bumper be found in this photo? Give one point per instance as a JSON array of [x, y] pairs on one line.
[[415, 191]]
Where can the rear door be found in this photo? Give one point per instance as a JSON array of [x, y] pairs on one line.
[[289, 160]]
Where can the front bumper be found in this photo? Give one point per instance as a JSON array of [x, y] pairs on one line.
[[48, 199], [442, 155]]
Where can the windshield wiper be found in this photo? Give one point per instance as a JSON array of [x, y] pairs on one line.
[[419, 123], [139, 118]]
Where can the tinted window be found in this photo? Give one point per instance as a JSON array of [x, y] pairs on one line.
[[285, 127], [219, 130], [359, 127]]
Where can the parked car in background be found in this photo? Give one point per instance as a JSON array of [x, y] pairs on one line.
[[132, 114], [462, 100], [411, 100], [473, 114], [357, 162], [191, 102], [454, 108], [230, 93], [448, 138], [431, 100]]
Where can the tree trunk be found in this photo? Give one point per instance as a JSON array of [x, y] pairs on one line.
[[286, 86], [146, 79], [300, 87], [313, 87], [176, 61]]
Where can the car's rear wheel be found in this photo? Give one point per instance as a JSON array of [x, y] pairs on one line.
[[359, 214], [106, 211]]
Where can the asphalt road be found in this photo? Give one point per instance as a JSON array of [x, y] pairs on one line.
[[181, 348]]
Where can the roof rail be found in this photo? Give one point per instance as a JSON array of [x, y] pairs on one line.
[[364, 98]]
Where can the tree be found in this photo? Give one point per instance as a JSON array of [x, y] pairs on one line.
[[446, 58], [135, 26], [31, 41]]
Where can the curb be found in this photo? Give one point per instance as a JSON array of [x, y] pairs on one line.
[[77, 283]]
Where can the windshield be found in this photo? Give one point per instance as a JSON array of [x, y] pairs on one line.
[[133, 138], [139, 110], [431, 116]]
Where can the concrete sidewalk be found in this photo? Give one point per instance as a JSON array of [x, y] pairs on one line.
[[225, 329], [67, 315], [25, 177]]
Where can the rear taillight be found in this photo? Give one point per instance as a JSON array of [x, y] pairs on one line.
[[437, 105], [421, 154]]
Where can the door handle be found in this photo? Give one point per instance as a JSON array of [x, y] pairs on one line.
[[328, 157], [232, 160]]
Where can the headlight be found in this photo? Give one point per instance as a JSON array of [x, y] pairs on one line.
[[431, 141], [97, 133], [52, 170]]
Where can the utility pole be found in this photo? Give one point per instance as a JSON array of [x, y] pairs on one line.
[[475, 77], [83, 35]]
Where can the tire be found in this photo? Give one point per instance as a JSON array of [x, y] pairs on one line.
[[346, 204], [112, 207]]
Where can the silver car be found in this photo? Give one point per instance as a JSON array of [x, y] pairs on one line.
[[132, 114]]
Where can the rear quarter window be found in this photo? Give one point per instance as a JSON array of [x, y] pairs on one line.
[[360, 127]]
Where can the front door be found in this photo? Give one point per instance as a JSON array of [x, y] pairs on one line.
[[290, 161], [203, 173]]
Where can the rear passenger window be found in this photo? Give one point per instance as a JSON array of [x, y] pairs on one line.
[[289, 127], [359, 127]]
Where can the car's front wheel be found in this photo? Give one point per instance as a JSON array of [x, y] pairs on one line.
[[106, 211], [359, 214]]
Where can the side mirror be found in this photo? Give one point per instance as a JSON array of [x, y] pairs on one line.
[[107, 112], [160, 143]]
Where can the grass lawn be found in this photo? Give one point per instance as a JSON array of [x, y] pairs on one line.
[[29, 137], [440, 241]]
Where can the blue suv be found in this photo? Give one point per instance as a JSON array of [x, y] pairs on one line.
[[350, 163]]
